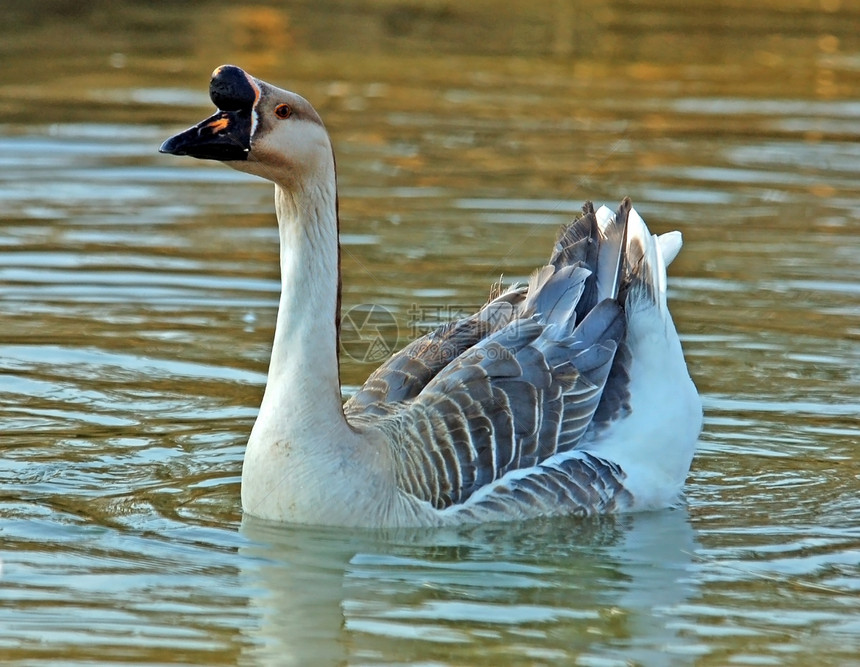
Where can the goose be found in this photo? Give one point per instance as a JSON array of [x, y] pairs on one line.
[[568, 395]]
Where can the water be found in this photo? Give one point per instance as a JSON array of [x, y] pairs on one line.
[[138, 295]]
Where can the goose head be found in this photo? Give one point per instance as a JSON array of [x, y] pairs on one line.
[[259, 129]]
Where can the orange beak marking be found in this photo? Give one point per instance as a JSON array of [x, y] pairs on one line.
[[219, 125]]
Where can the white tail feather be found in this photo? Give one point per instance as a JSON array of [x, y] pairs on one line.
[[670, 245], [605, 216], [610, 254], [655, 460]]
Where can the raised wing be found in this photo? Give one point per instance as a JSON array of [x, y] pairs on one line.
[[521, 395], [510, 388], [585, 243]]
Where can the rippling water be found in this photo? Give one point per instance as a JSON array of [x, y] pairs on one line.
[[138, 296]]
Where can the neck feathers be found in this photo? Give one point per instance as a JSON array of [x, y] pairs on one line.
[[305, 349]]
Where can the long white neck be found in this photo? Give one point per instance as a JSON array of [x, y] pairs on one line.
[[301, 431], [303, 370]]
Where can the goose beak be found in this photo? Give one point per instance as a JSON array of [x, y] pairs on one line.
[[226, 135]]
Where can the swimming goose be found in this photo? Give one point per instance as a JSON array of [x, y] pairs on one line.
[[565, 396]]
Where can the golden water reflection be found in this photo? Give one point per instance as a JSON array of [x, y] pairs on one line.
[[137, 299]]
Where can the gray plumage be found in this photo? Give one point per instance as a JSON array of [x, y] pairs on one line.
[[506, 390]]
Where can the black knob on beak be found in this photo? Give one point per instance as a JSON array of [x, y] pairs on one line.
[[231, 89]]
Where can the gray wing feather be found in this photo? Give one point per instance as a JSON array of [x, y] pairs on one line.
[[514, 386], [582, 485], [513, 400]]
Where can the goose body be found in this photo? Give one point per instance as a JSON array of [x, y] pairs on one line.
[[566, 396]]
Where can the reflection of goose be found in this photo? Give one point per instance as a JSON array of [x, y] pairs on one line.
[[566, 396], [547, 591]]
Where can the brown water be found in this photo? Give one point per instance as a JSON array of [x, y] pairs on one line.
[[138, 296]]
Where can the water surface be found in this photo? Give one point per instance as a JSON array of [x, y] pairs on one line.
[[138, 294]]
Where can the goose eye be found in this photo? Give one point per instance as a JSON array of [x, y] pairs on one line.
[[283, 111]]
